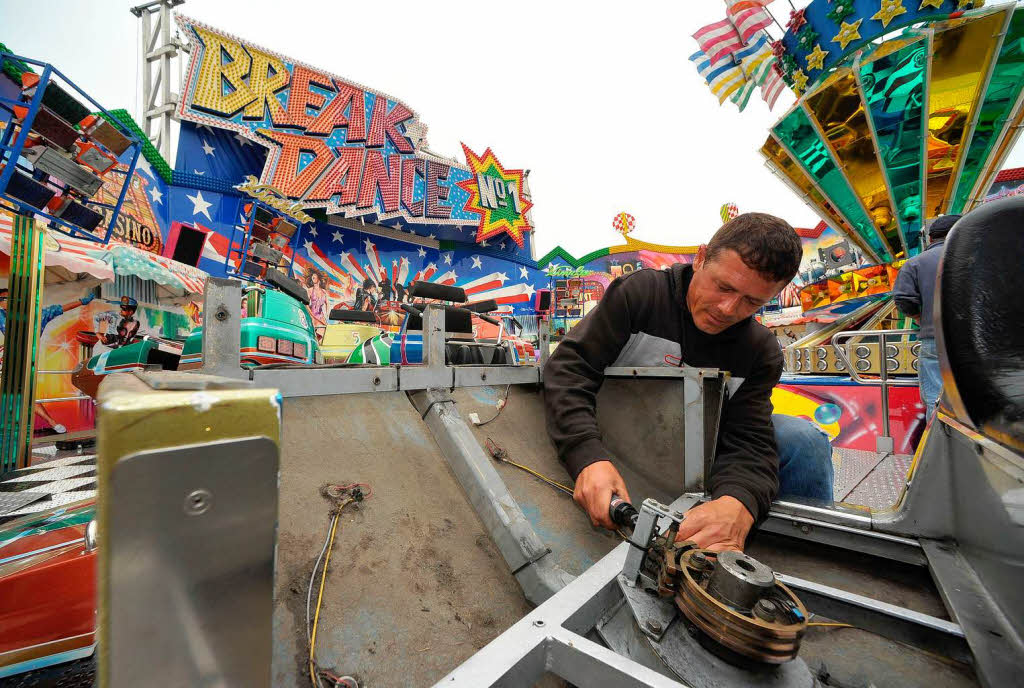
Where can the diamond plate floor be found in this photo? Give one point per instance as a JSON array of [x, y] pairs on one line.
[[883, 485]]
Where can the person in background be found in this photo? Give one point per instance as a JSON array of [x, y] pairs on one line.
[[914, 294]]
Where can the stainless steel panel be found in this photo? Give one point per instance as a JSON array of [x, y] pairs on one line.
[[191, 547]]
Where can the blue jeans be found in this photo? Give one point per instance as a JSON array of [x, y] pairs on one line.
[[805, 458], [929, 376]]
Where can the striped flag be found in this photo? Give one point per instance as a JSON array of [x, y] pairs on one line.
[[718, 40], [749, 21], [742, 96], [771, 88], [403, 270], [724, 77], [756, 59]]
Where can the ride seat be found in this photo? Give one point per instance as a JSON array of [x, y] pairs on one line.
[[979, 319]]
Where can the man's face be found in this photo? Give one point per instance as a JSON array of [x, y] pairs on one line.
[[724, 291], [127, 313]]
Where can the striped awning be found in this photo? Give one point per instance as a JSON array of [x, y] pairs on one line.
[[129, 260], [74, 255]]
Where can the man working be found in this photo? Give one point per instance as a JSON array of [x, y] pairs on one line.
[[700, 315], [914, 294]]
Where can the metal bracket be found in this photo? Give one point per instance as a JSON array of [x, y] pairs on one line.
[[650, 521]]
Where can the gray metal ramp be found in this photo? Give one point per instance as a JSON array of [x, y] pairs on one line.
[[415, 585]]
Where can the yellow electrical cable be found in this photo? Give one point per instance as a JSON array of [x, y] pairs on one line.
[[564, 488], [320, 595], [831, 625]]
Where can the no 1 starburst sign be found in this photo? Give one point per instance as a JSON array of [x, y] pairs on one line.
[[496, 194]]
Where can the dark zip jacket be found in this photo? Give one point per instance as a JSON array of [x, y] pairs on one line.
[[914, 291], [643, 319]]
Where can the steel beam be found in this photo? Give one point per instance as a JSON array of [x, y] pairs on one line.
[[523, 550], [887, 620]]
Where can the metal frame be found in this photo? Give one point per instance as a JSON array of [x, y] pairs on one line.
[[10, 152], [884, 443], [156, 84]]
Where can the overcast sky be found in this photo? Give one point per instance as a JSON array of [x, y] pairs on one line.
[[597, 99]]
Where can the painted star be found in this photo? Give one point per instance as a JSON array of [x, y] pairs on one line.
[[200, 206], [816, 58], [502, 246], [502, 277], [549, 268], [523, 272], [421, 252], [937, 4], [143, 164], [530, 290], [848, 33], [447, 259], [484, 243], [312, 231], [431, 236], [308, 245], [368, 245], [476, 263], [157, 195], [889, 10], [337, 236], [207, 148], [799, 80], [242, 140], [398, 226]]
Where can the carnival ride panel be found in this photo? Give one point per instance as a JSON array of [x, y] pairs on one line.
[[837, 110], [814, 354], [960, 64], [892, 82], [800, 138], [778, 159], [1001, 101], [901, 351]]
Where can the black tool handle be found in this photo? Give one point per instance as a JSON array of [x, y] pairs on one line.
[[622, 512]]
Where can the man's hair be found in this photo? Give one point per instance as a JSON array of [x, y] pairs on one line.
[[766, 244]]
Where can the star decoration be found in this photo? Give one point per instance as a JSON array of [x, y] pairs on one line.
[[937, 4], [157, 195], [398, 226], [432, 236], [816, 59], [502, 277], [242, 140], [778, 49], [447, 259], [797, 19], [789, 64], [530, 290], [509, 213], [476, 263], [336, 236], [806, 38], [523, 274], [197, 172], [889, 10], [200, 206], [502, 246], [799, 79], [841, 9], [421, 252], [312, 231], [848, 33], [207, 148], [484, 243], [142, 165]]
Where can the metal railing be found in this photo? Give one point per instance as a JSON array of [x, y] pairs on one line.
[[885, 442]]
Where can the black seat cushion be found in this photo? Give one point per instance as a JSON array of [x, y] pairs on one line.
[[980, 318]]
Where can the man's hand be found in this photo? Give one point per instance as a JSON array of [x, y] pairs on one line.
[[594, 488], [718, 525]]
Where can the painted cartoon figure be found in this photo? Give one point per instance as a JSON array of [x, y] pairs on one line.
[[366, 296], [46, 316], [127, 328], [317, 297]]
